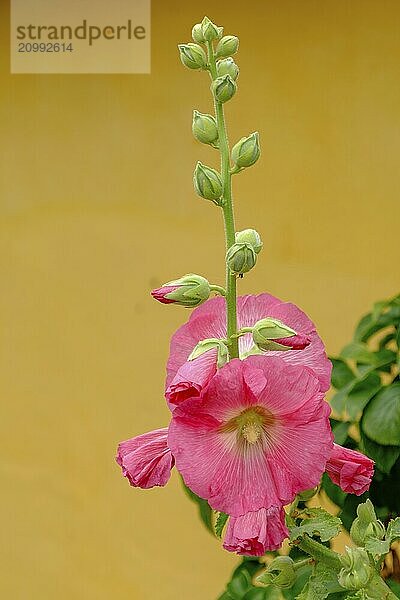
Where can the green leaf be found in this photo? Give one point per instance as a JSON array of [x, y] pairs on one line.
[[220, 523], [340, 432], [358, 352], [204, 508], [384, 456], [381, 419], [393, 530], [316, 521], [394, 586], [377, 547], [239, 585], [354, 396], [341, 373], [303, 575], [334, 493], [349, 510], [269, 593], [322, 582], [370, 323]]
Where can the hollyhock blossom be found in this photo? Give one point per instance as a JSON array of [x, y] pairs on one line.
[[256, 532], [258, 434], [350, 470], [209, 321], [191, 377], [146, 459]]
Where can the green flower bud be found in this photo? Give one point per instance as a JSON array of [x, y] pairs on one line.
[[210, 30], [280, 572], [207, 182], [366, 524], [240, 258], [227, 46], [356, 571], [190, 290], [193, 56], [251, 236], [223, 88], [272, 334], [204, 128], [247, 151], [227, 66], [209, 344], [197, 34]]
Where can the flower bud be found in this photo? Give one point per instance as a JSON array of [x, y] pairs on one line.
[[251, 236], [190, 290], [240, 258], [227, 66], [209, 344], [356, 571], [197, 34], [366, 525], [210, 30], [204, 128], [223, 88], [193, 56], [272, 334], [207, 182], [227, 46], [246, 151], [280, 572]]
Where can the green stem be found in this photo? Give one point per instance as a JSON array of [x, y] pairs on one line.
[[218, 289], [320, 552], [227, 208]]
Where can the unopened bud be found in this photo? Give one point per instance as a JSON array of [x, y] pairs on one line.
[[356, 571], [192, 56], [227, 46], [197, 34], [280, 572], [204, 128], [272, 334], [240, 258], [251, 236], [227, 66], [366, 524], [190, 291], [246, 151], [207, 182], [210, 30], [223, 88], [209, 344]]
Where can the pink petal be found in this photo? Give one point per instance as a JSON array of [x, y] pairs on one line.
[[350, 470], [146, 459], [192, 377], [160, 294], [208, 320], [293, 457], [256, 532]]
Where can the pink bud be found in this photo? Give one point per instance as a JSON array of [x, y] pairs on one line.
[[295, 342], [161, 293]]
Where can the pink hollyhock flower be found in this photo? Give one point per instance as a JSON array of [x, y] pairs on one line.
[[258, 434], [209, 321], [350, 470], [256, 532], [146, 459]]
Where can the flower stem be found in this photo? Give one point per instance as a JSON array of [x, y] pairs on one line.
[[218, 290], [320, 552], [227, 207]]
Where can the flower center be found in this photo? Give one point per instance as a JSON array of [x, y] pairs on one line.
[[251, 432], [250, 425]]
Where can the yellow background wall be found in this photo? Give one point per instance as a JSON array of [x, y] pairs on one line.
[[97, 208]]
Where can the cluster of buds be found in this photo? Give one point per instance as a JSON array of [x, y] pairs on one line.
[[242, 255], [366, 525], [357, 569]]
